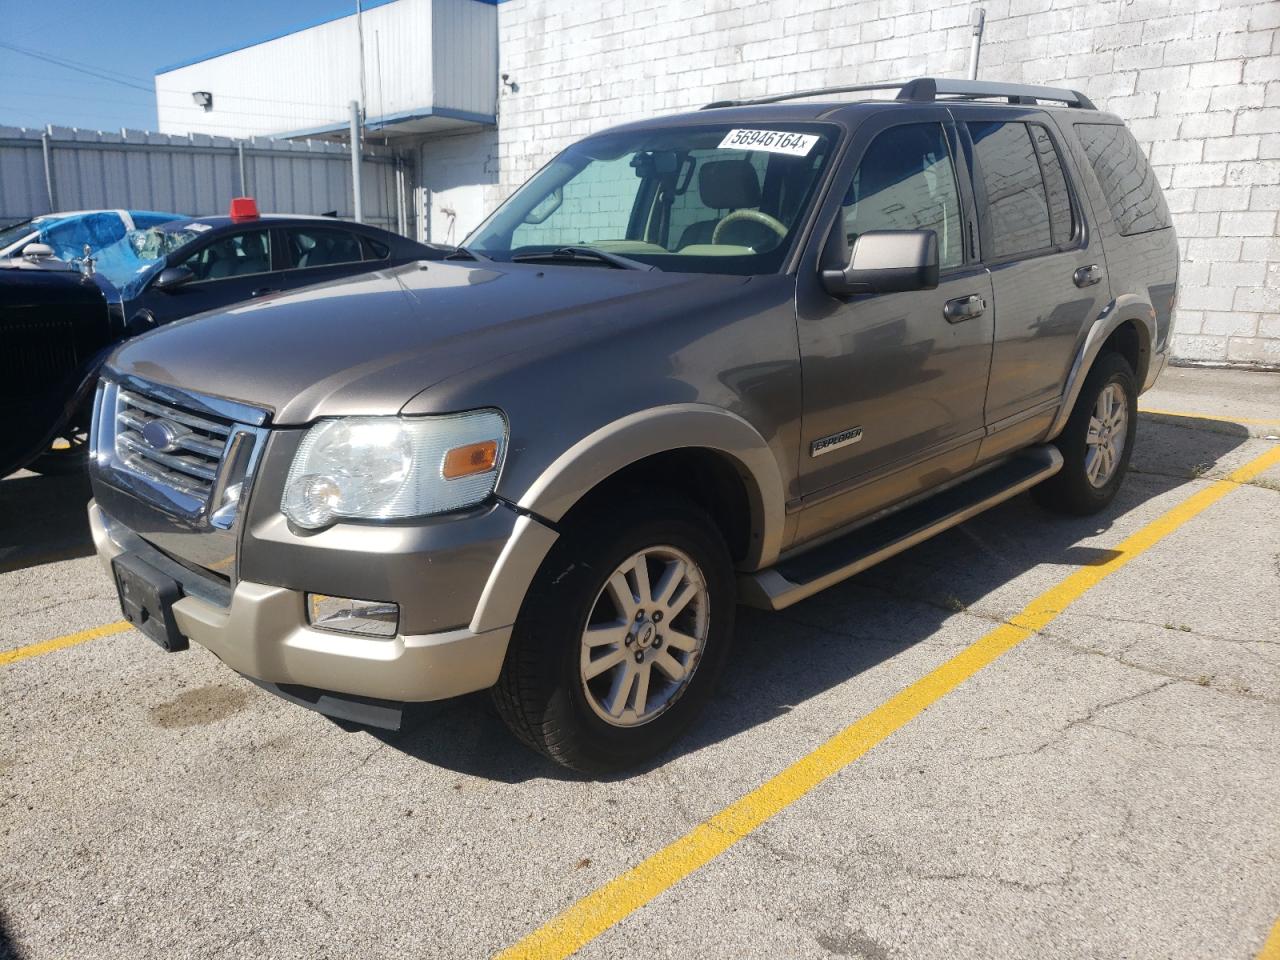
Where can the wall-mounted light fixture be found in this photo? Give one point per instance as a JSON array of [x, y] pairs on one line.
[[509, 83], [204, 99]]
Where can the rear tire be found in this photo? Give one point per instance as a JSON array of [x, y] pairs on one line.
[[1097, 441], [644, 587]]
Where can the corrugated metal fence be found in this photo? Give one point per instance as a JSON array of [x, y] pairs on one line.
[[60, 168]]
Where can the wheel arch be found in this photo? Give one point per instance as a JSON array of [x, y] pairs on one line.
[[1127, 326], [645, 446], [654, 442]]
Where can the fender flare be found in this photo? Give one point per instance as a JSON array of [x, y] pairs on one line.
[[611, 448], [599, 455], [1117, 313]]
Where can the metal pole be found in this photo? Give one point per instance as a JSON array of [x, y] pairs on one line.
[[356, 192], [48, 170], [360, 39], [244, 184], [401, 224], [977, 20]]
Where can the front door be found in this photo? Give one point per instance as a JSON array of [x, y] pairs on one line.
[[893, 386], [228, 269]]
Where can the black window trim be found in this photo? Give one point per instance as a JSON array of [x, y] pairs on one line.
[[959, 171], [366, 247], [1077, 239], [1062, 165]]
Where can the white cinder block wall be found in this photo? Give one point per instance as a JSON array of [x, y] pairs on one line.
[[1198, 80]]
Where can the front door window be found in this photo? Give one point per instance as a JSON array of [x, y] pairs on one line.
[[906, 181], [234, 255]]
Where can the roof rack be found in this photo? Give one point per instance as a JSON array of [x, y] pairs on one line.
[[928, 89]]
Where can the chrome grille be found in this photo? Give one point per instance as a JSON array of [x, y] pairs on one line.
[[190, 449]]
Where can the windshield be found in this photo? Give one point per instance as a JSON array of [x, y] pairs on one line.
[[16, 231], [131, 261], [706, 199]]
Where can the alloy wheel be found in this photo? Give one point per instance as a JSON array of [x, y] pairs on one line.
[[644, 636], [1108, 428]]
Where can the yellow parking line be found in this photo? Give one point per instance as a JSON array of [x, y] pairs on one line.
[[595, 913], [61, 643], [1184, 415], [1271, 949]]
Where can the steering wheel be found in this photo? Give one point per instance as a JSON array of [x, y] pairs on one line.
[[754, 216]]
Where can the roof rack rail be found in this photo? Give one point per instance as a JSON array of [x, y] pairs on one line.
[[801, 94], [930, 88], [926, 89]]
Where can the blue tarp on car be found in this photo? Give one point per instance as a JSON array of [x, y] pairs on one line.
[[68, 233], [126, 263]]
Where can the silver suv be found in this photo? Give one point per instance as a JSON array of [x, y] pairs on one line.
[[733, 356]]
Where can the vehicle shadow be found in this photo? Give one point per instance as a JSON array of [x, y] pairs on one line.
[[43, 520], [7, 949], [783, 659]]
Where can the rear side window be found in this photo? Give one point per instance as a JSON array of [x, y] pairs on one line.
[[1017, 203], [906, 182], [312, 247], [1126, 178]]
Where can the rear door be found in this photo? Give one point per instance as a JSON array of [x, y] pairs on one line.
[[893, 389], [1047, 267]]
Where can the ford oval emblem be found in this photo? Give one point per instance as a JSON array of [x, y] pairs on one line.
[[161, 435]]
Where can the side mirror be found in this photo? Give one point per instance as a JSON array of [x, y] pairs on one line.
[[887, 261], [171, 278]]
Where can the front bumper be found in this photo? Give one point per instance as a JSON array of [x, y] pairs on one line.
[[261, 631]]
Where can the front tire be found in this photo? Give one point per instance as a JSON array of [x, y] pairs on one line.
[[1097, 441], [68, 454], [622, 637]]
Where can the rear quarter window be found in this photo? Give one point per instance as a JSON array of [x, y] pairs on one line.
[[375, 249], [1127, 181]]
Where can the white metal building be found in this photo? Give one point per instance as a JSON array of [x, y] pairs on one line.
[[429, 70], [1198, 80]]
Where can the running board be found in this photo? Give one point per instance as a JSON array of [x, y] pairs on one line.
[[795, 579]]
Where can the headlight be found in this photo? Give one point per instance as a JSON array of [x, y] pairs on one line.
[[382, 468]]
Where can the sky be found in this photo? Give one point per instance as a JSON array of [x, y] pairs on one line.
[[123, 42]]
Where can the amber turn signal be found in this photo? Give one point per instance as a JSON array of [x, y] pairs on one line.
[[471, 459]]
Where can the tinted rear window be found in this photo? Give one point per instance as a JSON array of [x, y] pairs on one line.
[[1127, 180]]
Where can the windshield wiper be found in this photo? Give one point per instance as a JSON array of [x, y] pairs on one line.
[[578, 253], [462, 253]]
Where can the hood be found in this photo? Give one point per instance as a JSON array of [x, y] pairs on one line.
[[368, 344]]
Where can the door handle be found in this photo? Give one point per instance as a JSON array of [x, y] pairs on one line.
[[964, 308], [1087, 276], [263, 291]]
